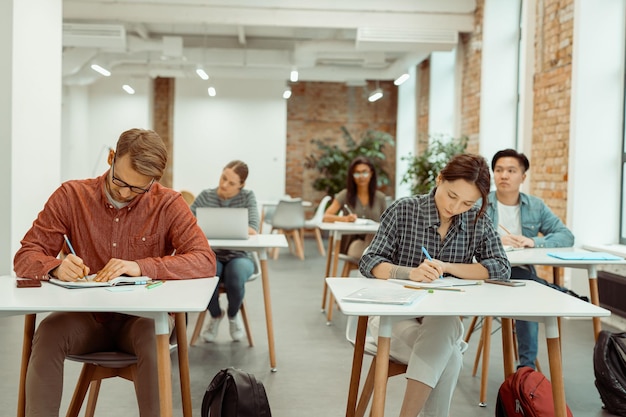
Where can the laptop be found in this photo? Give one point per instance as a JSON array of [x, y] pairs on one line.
[[223, 222]]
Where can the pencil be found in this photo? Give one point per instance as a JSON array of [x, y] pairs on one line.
[[69, 245], [505, 229], [434, 288], [347, 208]]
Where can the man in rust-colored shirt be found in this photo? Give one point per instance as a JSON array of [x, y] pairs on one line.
[[122, 223]]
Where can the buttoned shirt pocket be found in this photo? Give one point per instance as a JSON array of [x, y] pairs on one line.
[[146, 246]]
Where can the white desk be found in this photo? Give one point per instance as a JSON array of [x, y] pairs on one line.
[[533, 302], [539, 256], [336, 230], [259, 243], [177, 296]]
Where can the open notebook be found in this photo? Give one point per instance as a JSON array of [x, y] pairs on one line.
[[90, 283], [386, 295]]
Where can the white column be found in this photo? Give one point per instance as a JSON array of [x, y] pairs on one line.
[[499, 76], [406, 129], [441, 108], [30, 87]]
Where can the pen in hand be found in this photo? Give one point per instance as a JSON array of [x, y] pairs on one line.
[[347, 209], [429, 258], [69, 245]]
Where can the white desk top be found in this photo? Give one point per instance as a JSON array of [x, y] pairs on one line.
[[254, 242], [173, 296], [349, 227], [532, 300], [265, 203], [539, 256]]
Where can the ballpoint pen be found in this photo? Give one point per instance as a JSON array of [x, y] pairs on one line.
[[434, 288], [69, 245], [429, 258], [347, 209]]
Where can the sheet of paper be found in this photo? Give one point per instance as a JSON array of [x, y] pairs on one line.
[[443, 282]]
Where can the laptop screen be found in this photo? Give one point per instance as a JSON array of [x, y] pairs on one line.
[[223, 222]]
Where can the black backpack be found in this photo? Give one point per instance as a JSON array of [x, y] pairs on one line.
[[235, 393], [609, 367]]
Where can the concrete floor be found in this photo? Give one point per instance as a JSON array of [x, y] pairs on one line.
[[313, 359]]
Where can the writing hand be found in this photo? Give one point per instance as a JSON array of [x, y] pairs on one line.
[[427, 271], [117, 267], [351, 217], [72, 268], [518, 241]]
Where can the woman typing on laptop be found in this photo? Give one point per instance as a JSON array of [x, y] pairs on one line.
[[233, 267]]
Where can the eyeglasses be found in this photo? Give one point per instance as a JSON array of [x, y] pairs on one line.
[[363, 174], [123, 184]]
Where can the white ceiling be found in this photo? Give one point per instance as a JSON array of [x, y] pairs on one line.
[[326, 40]]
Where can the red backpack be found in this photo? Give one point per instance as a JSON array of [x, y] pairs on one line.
[[526, 393]]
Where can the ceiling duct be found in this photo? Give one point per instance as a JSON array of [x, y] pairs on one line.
[[405, 39], [94, 35]]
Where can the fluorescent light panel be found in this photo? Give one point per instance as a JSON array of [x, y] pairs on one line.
[[100, 70], [375, 95], [128, 89], [202, 74], [401, 79]]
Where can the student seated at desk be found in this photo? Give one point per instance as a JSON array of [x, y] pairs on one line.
[[445, 224], [115, 229], [520, 218], [233, 267], [360, 199]]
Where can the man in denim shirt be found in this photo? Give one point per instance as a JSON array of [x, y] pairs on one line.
[[519, 219]]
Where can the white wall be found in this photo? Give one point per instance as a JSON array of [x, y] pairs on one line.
[[247, 120], [499, 86]]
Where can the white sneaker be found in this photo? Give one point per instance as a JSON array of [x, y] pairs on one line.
[[209, 334], [236, 328]]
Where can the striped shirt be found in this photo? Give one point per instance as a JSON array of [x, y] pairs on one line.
[[148, 231], [243, 199], [412, 222]]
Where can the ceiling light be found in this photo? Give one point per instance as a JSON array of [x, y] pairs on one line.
[[375, 95], [293, 77], [128, 89], [101, 70], [212, 91], [202, 73], [287, 93], [402, 78]]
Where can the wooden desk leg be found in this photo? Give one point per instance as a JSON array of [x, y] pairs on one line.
[[27, 344], [595, 298], [267, 301], [329, 257], [164, 364], [183, 363], [487, 322], [331, 299], [556, 368], [357, 365], [382, 367], [507, 347]]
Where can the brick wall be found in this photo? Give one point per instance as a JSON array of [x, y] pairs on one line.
[[551, 112], [317, 110], [423, 106], [470, 85]]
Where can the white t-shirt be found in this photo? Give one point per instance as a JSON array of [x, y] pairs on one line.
[[509, 217]]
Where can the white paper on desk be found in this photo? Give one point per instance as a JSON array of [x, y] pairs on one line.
[[386, 295], [359, 222], [443, 282], [508, 248]]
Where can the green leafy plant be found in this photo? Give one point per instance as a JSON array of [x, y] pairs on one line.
[[332, 161], [423, 169]]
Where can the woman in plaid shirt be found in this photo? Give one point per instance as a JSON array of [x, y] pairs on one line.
[[462, 243]]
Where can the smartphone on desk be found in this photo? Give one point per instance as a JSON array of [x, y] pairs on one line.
[[27, 283], [509, 283]]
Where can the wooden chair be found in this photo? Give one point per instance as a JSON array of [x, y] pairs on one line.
[[356, 402], [289, 220], [188, 196], [244, 314], [350, 263], [96, 367], [311, 224]]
